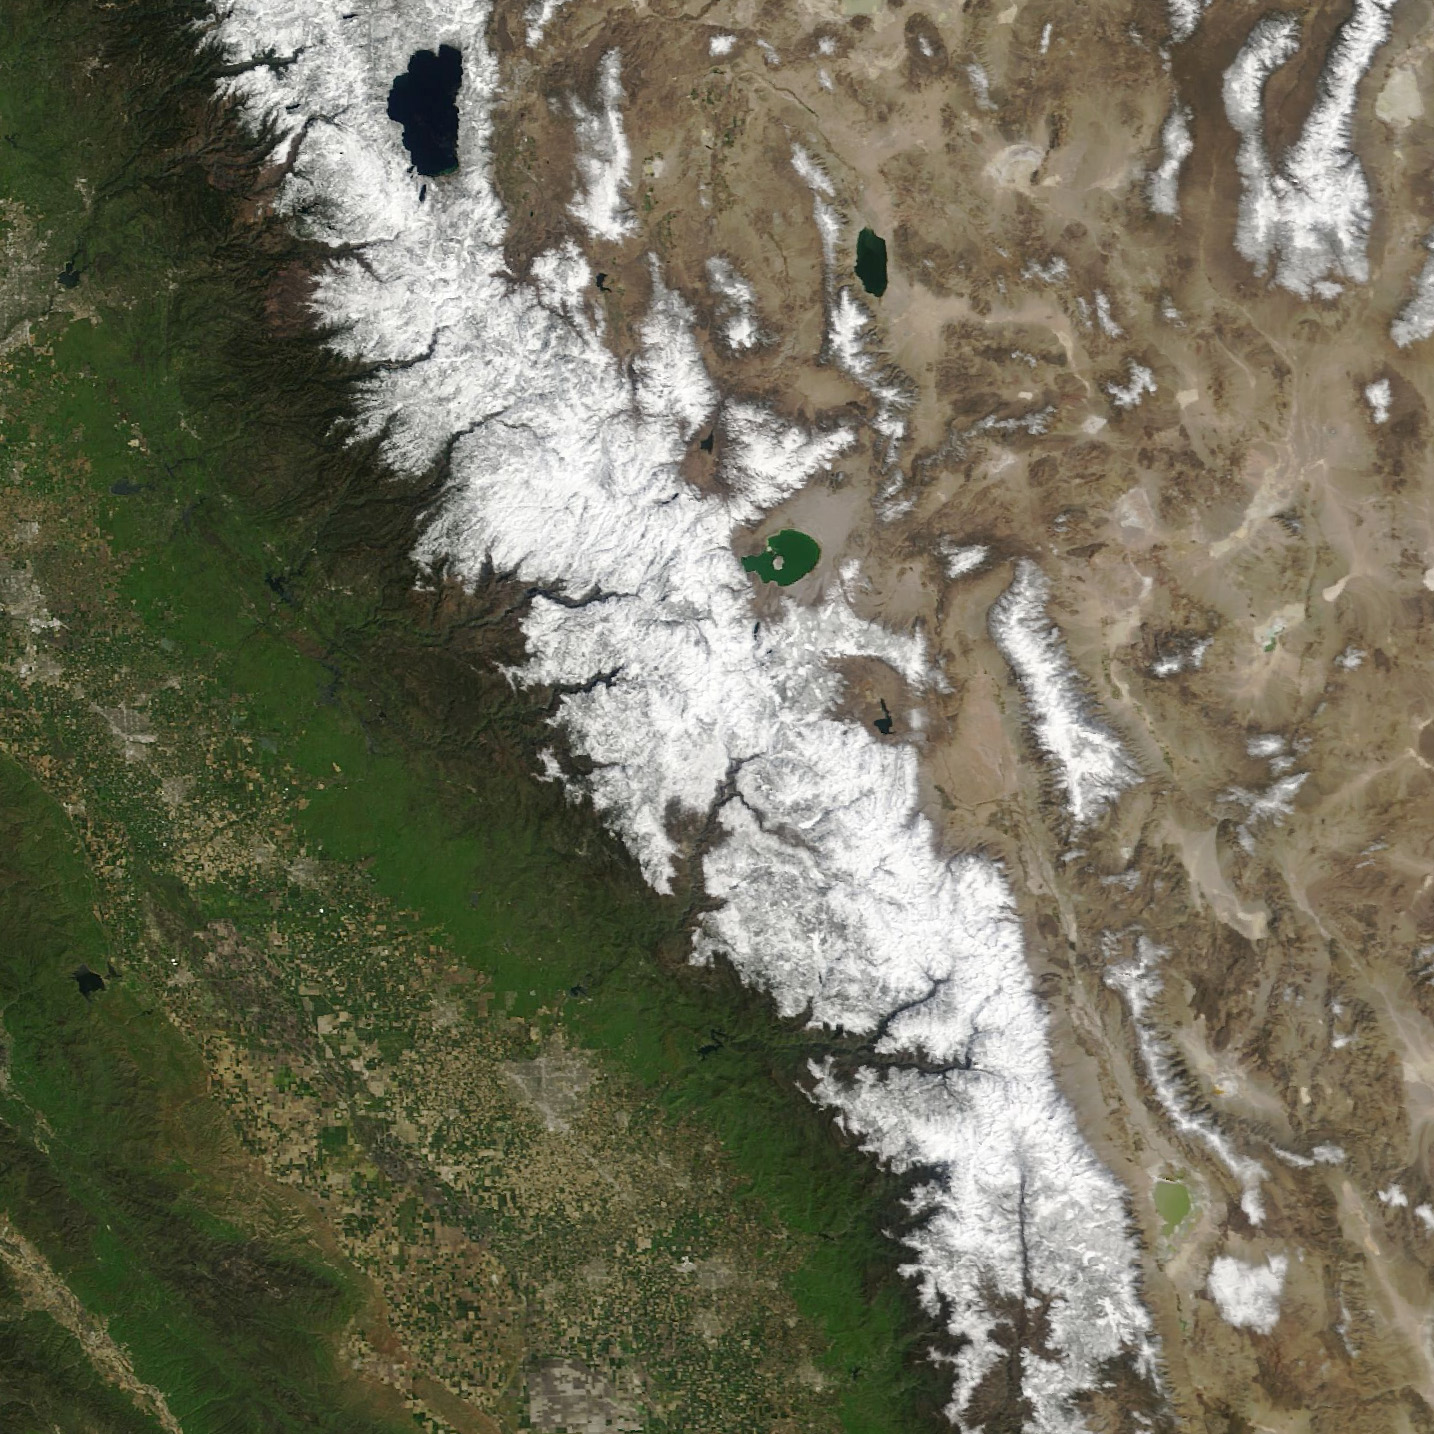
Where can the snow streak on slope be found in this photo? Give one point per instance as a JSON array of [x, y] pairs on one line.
[[1310, 212], [1271, 805], [1415, 321], [960, 559], [1176, 144], [537, 17], [1091, 763], [834, 895], [603, 158], [1105, 316], [1184, 17]]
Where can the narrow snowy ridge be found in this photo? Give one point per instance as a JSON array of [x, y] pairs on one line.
[[834, 895], [1138, 981], [1176, 146], [958, 559], [1185, 17], [537, 17], [1415, 321], [1310, 212], [1091, 764], [603, 158]]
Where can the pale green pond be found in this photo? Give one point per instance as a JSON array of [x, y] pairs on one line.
[[1172, 1202]]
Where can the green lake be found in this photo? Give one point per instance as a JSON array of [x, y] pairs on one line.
[[871, 262], [790, 555], [1172, 1202]]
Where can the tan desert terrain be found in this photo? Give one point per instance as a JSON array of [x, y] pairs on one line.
[[1240, 565]]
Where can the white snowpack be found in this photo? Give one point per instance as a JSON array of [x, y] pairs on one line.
[[538, 16], [1105, 316], [1184, 17], [1266, 744], [1394, 1196], [1350, 658], [811, 173], [1415, 321], [1139, 982], [737, 305], [1248, 1296], [1139, 382], [980, 86], [1379, 397], [1184, 658], [891, 501], [1162, 188], [1320, 1155], [956, 562], [720, 45], [1055, 270], [847, 322], [603, 158], [765, 459], [1091, 764], [828, 221], [1034, 422], [834, 895], [1426, 1215], [1309, 212], [1273, 804]]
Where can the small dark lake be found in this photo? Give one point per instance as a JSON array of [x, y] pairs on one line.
[[871, 262], [88, 981], [424, 100]]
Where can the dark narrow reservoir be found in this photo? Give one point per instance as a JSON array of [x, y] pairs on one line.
[[424, 100], [790, 555], [871, 262]]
